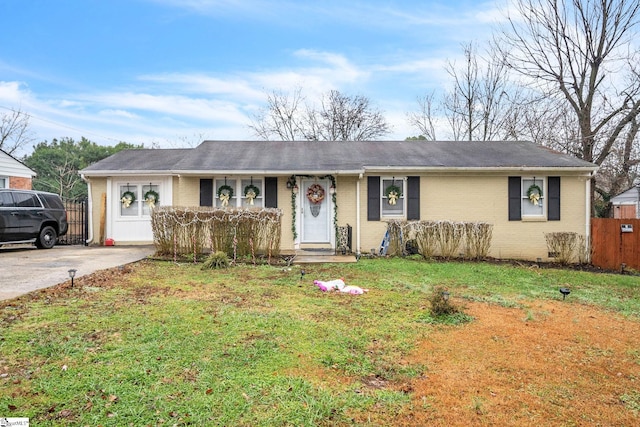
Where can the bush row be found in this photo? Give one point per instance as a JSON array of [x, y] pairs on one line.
[[236, 232]]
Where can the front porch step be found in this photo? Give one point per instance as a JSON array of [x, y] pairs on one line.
[[321, 256]]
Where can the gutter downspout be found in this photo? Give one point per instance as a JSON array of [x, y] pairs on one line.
[[89, 210], [358, 252], [588, 216]]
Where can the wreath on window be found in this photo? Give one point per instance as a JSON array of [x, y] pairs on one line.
[[151, 198], [315, 194], [393, 193], [534, 193], [127, 199], [251, 192], [225, 193]]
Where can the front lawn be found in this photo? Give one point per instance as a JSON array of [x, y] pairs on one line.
[[159, 343]]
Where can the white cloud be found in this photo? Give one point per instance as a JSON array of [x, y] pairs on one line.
[[205, 84], [328, 71], [13, 94], [65, 103], [118, 113], [170, 106]]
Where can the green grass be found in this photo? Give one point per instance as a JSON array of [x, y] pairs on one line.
[[249, 346]]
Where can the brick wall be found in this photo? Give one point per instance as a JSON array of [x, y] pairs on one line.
[[20, 183]]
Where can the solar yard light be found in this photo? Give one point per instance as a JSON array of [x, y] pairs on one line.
[[72, 274], [565, 292]]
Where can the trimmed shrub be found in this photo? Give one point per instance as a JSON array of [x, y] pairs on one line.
[[236, 232]]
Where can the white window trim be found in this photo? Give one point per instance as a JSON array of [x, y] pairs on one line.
[[238, 191], [4, 180], [402, 199], [524, 199], [139, 198]]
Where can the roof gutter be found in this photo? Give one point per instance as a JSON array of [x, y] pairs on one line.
[[89, 209], [487, 169], [105, 173]]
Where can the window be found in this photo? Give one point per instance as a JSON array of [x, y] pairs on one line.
[[392, 196], [4, 182], [26, 200], [533, 196], [232, 192], [6, 199], [132, 199], [251, 188]]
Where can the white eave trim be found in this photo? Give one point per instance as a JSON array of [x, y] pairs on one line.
[[368, 169], [405, 169], [105, 173], [269, 172]]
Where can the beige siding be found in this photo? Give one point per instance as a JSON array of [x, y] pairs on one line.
[[346, 200], [186, 191], [98, 191], [484, 197], [456, 197], [284, 203]]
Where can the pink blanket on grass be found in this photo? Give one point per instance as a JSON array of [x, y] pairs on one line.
[[339, 285]]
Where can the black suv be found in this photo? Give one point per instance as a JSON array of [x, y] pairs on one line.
[[28, 216]]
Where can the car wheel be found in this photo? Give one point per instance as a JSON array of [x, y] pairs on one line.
[[47, 238]]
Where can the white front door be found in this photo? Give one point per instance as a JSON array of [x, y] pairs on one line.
[[315, 208]]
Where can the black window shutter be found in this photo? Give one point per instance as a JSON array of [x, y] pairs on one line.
[[553, 198], [413, 197], [206, 192], [515, 199], [373, 198], [271, 192]]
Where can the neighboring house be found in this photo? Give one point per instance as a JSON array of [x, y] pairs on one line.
[[625, 205], [14, 174], [458, 181]]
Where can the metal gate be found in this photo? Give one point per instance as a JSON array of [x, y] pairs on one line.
[[78, 219]]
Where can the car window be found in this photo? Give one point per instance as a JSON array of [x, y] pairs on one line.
[[6, 200], [52, 201], [26, 200]]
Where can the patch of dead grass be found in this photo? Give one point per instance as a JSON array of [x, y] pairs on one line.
[[552, 363]]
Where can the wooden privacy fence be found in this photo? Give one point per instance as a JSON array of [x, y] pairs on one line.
[[615, 242]]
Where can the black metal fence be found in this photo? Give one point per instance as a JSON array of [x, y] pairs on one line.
[[78, 219]]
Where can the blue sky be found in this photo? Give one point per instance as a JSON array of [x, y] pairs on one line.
[[170, 72]]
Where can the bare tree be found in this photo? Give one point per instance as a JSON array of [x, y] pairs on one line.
[[581, 52], [283, 118], [347, 118], [339, 117], [14, 131], [424, 119], [482, 104]]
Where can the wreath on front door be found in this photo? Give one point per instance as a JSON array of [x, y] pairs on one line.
[[315, 194]]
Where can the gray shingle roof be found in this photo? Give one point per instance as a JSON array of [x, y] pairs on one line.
[[308, 157]]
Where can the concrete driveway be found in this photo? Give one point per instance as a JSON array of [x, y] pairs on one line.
[[23, 268]]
